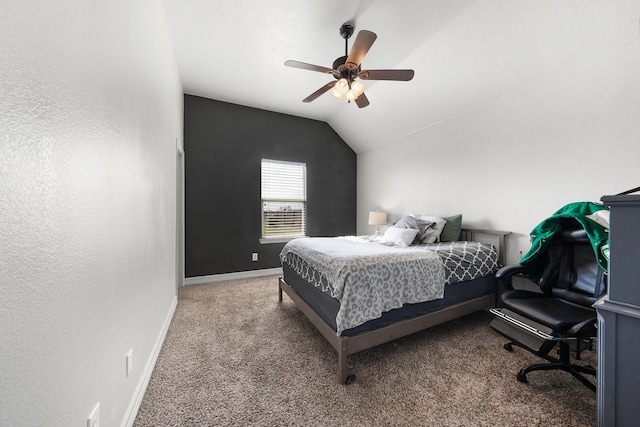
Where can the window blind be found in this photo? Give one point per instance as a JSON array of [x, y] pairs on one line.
[[284, 198]]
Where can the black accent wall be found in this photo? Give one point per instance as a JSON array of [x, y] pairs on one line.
[[224, 145]]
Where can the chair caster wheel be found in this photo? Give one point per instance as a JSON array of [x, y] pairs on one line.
[[522, 378], [350, 379], [508, 347]]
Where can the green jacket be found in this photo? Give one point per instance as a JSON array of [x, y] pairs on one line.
[[542, 235]]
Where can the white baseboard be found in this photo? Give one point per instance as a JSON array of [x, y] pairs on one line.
[[232, 276], [138, 395]]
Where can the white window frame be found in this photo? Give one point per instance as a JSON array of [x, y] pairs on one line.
[[292, 192]]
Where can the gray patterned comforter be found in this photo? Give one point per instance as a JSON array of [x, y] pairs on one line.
[[369, 278]]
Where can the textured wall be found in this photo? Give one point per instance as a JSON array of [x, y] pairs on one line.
[[224, 145], [89, 114]]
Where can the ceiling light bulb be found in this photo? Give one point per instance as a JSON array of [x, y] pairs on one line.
[[342, 86], [337, 95], [357, 88], [350, 96]]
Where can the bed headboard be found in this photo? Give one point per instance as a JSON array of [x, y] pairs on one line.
[[469, 234]]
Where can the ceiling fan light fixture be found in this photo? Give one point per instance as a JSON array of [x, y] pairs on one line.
[[337, 95], [350, 96], [342, 86], [357, 87]]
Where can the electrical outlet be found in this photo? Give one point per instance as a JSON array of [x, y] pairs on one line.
[[254, 256], [129, 362], [94, 418]]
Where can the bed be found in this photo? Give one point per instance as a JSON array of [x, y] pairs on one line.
[[353, 322]]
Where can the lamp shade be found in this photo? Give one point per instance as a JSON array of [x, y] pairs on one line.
[[342, 86], [377, 218]]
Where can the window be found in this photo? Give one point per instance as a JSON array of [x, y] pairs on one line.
[[284, 199]]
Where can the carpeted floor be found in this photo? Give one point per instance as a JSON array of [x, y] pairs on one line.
[[234, 355]]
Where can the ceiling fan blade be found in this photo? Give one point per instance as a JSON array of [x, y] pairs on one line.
[[305, 66], [360, 47], [319, 92], [362, 101], [401, 75]]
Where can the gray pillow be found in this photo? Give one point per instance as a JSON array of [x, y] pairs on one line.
[[414, 223]]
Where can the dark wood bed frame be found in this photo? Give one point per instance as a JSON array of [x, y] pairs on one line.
[[347, 345]]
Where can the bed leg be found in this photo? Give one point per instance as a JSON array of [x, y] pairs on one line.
[[343, 377], [342, 366], [280, 290]]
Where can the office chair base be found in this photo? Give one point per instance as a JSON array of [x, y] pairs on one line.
[[541, 348], [575, 370]]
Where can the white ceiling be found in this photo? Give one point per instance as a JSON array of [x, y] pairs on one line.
[[465, 54]]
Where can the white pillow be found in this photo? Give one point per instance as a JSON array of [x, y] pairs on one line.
[[431, 234], [415, 223], [400, 236]]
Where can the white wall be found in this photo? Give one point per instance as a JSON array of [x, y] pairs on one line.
[[514, 161], [90, 109]]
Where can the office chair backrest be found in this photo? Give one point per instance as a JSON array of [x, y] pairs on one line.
[[571, 272]]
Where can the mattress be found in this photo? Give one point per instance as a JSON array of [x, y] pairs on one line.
[[327, 307]]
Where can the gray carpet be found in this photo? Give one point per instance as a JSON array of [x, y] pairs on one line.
[[234, 355]]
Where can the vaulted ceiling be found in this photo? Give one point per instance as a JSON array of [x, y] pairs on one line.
[[465, 54]]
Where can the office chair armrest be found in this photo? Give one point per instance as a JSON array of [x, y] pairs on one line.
[[506, 273]]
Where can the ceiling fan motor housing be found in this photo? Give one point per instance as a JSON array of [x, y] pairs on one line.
[[345, 71]]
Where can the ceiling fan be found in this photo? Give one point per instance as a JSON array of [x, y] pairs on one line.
[[346, 69]]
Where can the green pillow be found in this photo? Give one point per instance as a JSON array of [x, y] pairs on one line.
[[451, 230]]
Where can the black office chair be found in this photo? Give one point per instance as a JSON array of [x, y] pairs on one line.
[[561, 313]]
